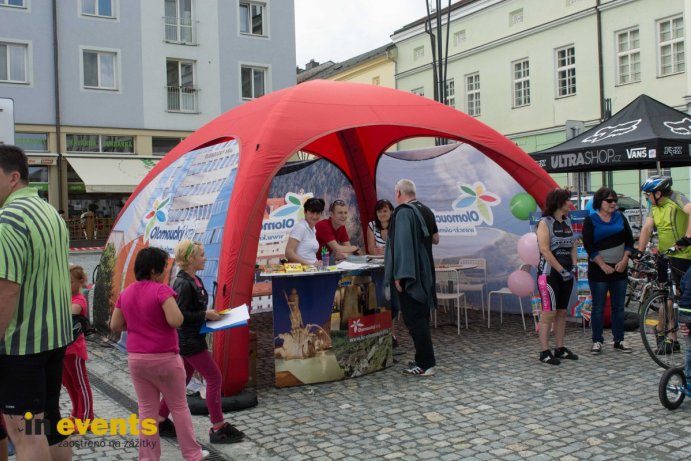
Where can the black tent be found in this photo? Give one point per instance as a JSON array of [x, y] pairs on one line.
[[637, 137]]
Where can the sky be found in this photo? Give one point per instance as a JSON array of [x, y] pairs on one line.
[[336, 30]]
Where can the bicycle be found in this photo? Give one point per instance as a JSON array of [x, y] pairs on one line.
[[642, 277], [672, 388], [654, 312]]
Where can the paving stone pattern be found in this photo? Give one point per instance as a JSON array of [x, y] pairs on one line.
[[490, 400]]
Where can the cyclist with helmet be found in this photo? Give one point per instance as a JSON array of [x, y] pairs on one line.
[[669, 213]]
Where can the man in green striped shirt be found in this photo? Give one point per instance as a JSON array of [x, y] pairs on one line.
[[35, 317]]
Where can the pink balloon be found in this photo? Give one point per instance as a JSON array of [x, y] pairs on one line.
[[528, 250], [521, 283]]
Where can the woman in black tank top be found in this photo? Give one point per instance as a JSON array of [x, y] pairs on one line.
[[556, 273]]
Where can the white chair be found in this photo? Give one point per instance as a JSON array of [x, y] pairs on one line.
[[501, 293], [474, 279], [448, 288]]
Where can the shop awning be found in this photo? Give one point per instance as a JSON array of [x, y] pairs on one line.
[[111, 175]]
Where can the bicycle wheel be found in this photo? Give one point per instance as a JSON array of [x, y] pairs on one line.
[[670, 388], [651, 321]]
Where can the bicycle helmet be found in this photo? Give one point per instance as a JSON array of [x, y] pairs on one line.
[[657, 183]]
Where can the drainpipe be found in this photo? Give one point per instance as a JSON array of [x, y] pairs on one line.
[[601, 77], [607, 177], [56, 80]]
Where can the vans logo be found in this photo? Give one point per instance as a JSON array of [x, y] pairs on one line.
[[637, 152]]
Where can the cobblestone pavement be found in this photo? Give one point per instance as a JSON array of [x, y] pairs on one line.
[[490, 399]]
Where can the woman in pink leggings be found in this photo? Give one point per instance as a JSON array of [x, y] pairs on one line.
[[148, 311], [193, 299]]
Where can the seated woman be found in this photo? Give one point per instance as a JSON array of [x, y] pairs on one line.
[[378, 230], [302, 246]]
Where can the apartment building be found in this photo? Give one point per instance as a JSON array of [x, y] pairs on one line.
[[530, 68], [103, 88]]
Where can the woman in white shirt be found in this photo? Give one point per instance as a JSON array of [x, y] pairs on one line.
[[302, 246]]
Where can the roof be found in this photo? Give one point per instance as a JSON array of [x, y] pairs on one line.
[[333, 69]]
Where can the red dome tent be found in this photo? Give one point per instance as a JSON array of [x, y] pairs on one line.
[[349, 124]]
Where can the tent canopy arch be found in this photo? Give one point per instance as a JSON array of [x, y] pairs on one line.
[[349, 124]]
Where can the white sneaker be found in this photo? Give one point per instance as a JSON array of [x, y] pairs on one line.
[[205, 454], [417, 371], [597, 348]]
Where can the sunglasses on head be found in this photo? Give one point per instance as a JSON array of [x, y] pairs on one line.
[[611, 200]]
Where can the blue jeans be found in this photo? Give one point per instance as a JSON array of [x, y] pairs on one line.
[[687, 365], [617, 293]]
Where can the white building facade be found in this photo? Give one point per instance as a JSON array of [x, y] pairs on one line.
[[530, 67]]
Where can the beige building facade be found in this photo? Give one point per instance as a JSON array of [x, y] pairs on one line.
[[528, 67]]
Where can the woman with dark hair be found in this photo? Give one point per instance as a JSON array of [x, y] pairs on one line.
[[378, 230], [302, 246], [555, 273], [608, 240], [148, 311]]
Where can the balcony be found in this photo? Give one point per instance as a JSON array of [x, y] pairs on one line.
[[180, 30], [182, 99]]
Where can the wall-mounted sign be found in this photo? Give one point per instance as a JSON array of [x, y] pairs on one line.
[[6, 121]]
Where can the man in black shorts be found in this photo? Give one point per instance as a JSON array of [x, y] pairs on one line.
[[35, 317]]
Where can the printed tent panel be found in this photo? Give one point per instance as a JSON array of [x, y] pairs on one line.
[[637, 137], [349, 124]]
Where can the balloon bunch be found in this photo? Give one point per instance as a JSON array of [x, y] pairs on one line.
[[521, 283]]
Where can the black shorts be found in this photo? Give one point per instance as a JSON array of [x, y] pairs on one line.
[[3, 431], [32, 383], [679, 268], [555, 293]]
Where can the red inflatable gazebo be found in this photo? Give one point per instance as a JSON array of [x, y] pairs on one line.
[[347, 123]]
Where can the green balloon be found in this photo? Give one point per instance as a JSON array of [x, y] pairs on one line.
[[522, 204]]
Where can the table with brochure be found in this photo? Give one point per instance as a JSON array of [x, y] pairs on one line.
[[330, 324]]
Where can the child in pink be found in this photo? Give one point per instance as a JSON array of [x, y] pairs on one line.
[[148, 311], [74, 376]]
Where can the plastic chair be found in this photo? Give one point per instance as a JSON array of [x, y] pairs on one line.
[[448, 288], [474, 279], [501, 293]]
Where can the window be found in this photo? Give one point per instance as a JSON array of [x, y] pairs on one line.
[[179, 27], [13, 63], [472, 93], [418, 91], [17, 3], [566, 71], [418, 53], [32, 142], [516, 17], [100, 143], [182, 94], [252, 18], [161, 146], [671, 43], [628, 57], [663, 171], [102, 8], [459, 38], [99, 70], [521, 83], [253, 82], [450, 93], [376, 81]]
